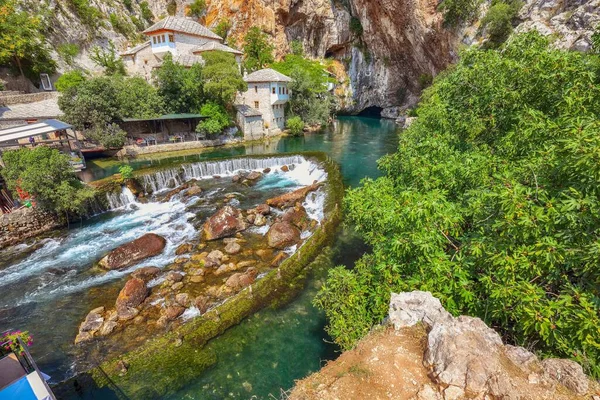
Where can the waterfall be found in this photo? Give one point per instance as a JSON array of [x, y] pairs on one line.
[[171, 178], [122, 199]]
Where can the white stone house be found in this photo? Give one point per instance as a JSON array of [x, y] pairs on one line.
[[184, 38], [267, 94]]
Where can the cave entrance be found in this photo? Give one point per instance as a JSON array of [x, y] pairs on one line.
[[371, 112]]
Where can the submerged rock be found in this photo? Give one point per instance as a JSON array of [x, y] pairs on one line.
[[233, 248], [239, 281], [290, 199], [184, 248], [146, 273], [172, 312], [226, 222], [283, 234], [149, 245]]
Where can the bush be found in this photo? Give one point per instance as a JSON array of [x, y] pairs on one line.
[[491, 203], [68, 80], [258, 50], [222, 78], [295, 125], [297, 48], [109, 136], [68, 52], [218, 119], [108, 59], [89, 15], [498, 21], [356, 27], [457, 12], [146, 12], [46, 174], [425, 80], [196, 9], [181, 88], [222, 28], [172, 7], [122, 26], [126, 171]]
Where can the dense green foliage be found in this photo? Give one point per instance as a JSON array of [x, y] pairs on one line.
[[295, 125], [218, 119], [88, 14], [458, 11], [499, 19], [96, 105], [258, 50], [310, 99], [297, 48], [47, 175], [222, 28], [109, 59], [22, 44], [68, 52], [491, 203], [181, 88], [126, 171], [356, 27], [146, 12], [222, 77], [197, 8], [69, 80], [122, 26]]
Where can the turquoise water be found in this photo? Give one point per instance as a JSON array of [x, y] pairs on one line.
[[265, 354]]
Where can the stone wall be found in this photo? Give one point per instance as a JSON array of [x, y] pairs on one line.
[[133, 151], [26, 98], [25, 223]]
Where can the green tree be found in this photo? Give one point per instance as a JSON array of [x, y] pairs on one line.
[[146, 12], [258, 49], [69, 80], [499, 19], [89, 15], [295, 125], [457, 12], [109, 136], [108, 59], [491, 203], [181, 88], [222, 77], [47, 175], [218, 119], [297, 48], [222, 28], [137, 98], [196, 9], [22, 41]]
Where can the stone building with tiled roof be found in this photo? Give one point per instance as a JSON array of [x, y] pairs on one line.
[[267, 94], [184, 38]]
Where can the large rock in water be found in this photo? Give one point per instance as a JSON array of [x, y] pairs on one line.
[[289, 199], [225, 222], [131, 296], [128, 254], [283, 234]]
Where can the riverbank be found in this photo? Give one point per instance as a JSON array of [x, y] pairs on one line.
[[156, 367]]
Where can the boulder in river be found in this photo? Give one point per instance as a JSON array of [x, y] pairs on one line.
[[297, 216], [291, 198], [226, 222], [283, 234], [131, 296], [184, 248], [254, 175], [128, 254], [146, 273]]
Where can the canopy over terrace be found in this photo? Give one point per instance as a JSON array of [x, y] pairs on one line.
[[166, 128], [51, 133]]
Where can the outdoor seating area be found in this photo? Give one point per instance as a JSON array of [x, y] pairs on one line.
[[171, 128]]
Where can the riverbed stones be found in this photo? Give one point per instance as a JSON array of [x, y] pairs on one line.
[[282, 234], [174, 276], [260, 220], [93, 321], [285, 168], [149, 245], [177, 286], [233, 248], [291, 198], [227, 221], [239, 281], [107, 328], [254, 175], [250, 218], [202, 303], [263, 209], [146, 273], [174, 311], [278, 259], [225, 268], [193, 191], [184, 248], [297, 216], [183, 299], [132, 295]]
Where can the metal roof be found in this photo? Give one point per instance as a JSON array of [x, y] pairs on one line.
[[184, 25], [25, 131], [166, 117], [267, 75], [215, 46], [247, 111]]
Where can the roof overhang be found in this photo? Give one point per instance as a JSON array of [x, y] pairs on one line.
[[40, 128]]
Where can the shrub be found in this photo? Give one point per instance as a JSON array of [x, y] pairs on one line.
[[491, 203], [109, 136], [356, 27], [222, 28], [68, 52], [297, 48], [126, 171], [222, 77], [457, 12], [196, 9], [122, 26], [295, 125], [89, 15], [108, 59], [146, 12], [172, 7], [498, 21], [425, 80], [69, 80], [218, 119]]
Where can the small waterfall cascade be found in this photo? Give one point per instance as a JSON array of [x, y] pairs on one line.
[[171, 178], [120, 200]]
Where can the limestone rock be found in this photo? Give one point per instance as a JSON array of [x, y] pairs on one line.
[[202, 303], [567, 372], [172, 312], [225, 222], [174, 276], [289, 199], [254, 175], [410, 308], [260, 220], [83, 337], [297, 216], [282, 235], [107, 328], [183, 299], [146, 273], [239, 281], [263, 209], [177, 286], [193, 191], [233, 248], [129, 254], [93, 321], [131, 296], [184, 248]]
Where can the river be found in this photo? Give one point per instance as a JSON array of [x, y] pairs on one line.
[[256, 359]]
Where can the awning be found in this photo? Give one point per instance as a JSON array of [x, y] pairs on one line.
[[167, 117], [25, 131]]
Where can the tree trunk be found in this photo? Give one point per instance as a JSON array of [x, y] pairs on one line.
[[18, 61]]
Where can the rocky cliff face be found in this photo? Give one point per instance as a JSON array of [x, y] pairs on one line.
[[430, 355]]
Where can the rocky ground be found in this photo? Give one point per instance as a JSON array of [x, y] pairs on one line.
[[226, 258], [426, 354]]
